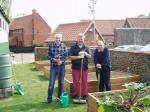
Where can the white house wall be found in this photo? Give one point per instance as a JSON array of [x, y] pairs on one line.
[[4, 29], [3, 37]]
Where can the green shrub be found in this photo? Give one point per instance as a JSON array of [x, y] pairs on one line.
[[44, 58]]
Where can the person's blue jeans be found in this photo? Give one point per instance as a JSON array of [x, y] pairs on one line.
[[54, 71]]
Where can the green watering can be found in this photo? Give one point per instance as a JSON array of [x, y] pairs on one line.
[[64, 100], [19, 89]]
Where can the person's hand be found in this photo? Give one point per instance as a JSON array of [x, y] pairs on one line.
[[58, 61], [98, 65], [82, 53], [80, 57]]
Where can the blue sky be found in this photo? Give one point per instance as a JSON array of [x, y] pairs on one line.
[[57, 12]]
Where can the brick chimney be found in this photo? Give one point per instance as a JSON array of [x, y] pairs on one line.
[[34, 12]]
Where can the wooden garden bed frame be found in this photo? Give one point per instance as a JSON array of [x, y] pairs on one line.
[[116, 82], [39, 65], [46, 70], [93, 98]]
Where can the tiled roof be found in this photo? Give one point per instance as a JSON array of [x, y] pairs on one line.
[[106, 27], [70, 30], [20, 22], [139, 22]]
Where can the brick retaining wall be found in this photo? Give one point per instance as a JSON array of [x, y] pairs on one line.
[[137, 63]]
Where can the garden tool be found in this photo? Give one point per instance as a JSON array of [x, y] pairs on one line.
[[64, 100], [98, 77], [79, 100], [17, 86]]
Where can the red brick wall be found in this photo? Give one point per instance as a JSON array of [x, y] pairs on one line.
[[28, 35], [40, 52], [41, 29], [35, 30]]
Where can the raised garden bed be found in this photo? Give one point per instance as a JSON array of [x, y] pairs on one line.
[[90, 69], [47, 70], [68, 70], [39, 65], [93, 98], [117, 80]]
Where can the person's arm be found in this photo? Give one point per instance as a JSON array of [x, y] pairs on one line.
[[106, 59], [87, 53], [71, 55], [96, 62], [64, 54], [75, 57], [50, 52], [95, 57]]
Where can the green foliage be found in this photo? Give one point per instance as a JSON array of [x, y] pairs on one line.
[[44, 58], [135, 109], [147, 110], [148, 83], [139, 87], [107, 106], [130, 100], [145, 100], [134, 89]]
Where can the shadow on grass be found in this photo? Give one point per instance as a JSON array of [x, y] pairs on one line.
[[41, 78], [25, 107], [33, 69]]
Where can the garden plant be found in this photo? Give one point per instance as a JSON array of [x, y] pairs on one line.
[[135, 99]]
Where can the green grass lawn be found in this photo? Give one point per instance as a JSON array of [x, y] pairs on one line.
[[35, 87]]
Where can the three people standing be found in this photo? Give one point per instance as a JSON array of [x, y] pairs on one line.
[[79, 55]]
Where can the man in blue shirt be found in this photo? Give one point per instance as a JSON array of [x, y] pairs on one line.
[[57, 53], [103, 66]]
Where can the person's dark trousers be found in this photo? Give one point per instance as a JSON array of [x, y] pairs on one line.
[[54, 71], [104, 82], [97, 72]]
